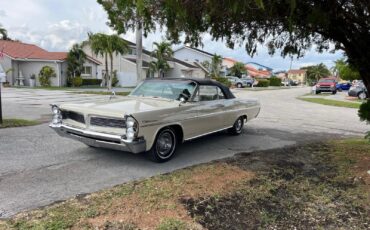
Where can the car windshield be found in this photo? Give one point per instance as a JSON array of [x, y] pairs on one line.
[[326, 80], [166, 89]]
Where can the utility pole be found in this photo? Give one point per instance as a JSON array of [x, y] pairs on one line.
[[139, 51]]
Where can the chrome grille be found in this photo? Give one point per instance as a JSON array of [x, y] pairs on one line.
[[107, 122], [73, 116]]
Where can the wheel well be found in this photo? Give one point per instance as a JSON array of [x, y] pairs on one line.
[[244, 117], [178, 131]]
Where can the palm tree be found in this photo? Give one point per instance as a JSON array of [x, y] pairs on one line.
[[238, 69], [3, 33], [161, 53], [107, 45], [318, 71], [216, 65], [75, 59]]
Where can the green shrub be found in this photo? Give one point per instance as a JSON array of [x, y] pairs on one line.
[[45, 74], [115, 79], [364, 114], [77, 81], [274, 81], [92, 81], [222, 80], [263, 83]]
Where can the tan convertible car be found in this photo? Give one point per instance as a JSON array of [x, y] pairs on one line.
[[156, 117]]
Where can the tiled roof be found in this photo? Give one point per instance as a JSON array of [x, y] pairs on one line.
[[257, 73], [296, 71], [19, 50]]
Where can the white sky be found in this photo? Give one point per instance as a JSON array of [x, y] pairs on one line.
[[56, 24]]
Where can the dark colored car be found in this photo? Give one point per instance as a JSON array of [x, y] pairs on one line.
[[326, 85], [343, 86], [358, 90]]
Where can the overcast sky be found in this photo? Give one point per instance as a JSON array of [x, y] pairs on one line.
[[56, 24]]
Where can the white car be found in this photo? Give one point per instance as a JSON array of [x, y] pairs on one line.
[[156, 117]]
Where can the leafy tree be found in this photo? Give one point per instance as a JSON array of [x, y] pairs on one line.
[[346, 71], [45, 74], [107, 45], [238, 69], [161, 53], [290, 27], [216, 65], [315, 72], [3, 33], [76, 58]]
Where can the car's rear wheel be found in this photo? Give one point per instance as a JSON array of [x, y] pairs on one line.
[[317, 92], [239, 85], [237, 127], [362, 95], [334, 92], [164, 146]]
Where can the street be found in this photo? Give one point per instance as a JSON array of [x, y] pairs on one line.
[[37, 167]]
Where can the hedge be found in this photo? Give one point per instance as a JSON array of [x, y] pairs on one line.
[[263, 83], [91, 81], [274, 81]]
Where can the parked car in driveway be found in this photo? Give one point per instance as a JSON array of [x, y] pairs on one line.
[[343, 85], [240, 82], [358, 90], [156, 117], [326, 85]]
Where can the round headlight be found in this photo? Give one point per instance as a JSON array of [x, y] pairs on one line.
[[130, 122], [130, 133], [55, 109]]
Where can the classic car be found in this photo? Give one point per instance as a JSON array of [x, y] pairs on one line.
[[156, 116]]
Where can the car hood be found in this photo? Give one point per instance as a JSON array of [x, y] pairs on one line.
[[122, 106]]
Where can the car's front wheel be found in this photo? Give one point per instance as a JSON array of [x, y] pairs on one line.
[[239, 85], [237, 127], [362, 96], [164, 146]]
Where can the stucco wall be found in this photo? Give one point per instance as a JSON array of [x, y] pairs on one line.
[[6, 64], [33, 67], [191, 55]]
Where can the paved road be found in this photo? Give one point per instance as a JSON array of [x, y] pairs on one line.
[[37, 167]]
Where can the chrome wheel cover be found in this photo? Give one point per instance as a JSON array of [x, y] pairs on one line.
[[239, 125], [165, 144]]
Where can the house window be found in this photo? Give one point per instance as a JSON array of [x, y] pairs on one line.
[[133, 51], [86, 71]]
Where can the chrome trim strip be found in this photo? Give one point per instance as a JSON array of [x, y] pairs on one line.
[[204, 134], [199, 116]]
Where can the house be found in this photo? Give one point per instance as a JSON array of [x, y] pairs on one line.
[[125, 66], [298, 75], [194, 55], [257, 73], [21, 60]]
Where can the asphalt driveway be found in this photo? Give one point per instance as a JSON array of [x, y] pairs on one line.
[[37, 167]]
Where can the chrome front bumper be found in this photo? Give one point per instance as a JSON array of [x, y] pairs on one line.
[[100, 140]]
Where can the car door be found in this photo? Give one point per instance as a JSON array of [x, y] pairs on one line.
[[210, 107]]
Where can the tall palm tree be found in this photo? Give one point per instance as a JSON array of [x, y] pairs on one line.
[[319, 71], [3, 33], [161, 53], [75, 59], [106, 46], [216, 65]]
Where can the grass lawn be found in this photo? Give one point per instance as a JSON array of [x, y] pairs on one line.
[[322, 185], [9, 123], [324, 101], [103, 93]]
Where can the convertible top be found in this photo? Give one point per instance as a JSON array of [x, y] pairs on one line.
[[225, 90]]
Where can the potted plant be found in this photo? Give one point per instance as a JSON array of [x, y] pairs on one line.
[[33, 80]]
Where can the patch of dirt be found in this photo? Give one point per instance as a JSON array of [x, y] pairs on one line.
[[156, 200], [296, 187]]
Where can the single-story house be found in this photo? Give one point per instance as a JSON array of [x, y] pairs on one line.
[[21, 60], [125, 65], [298, 75]]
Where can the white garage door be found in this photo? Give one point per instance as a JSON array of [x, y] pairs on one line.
[[127, 79]]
